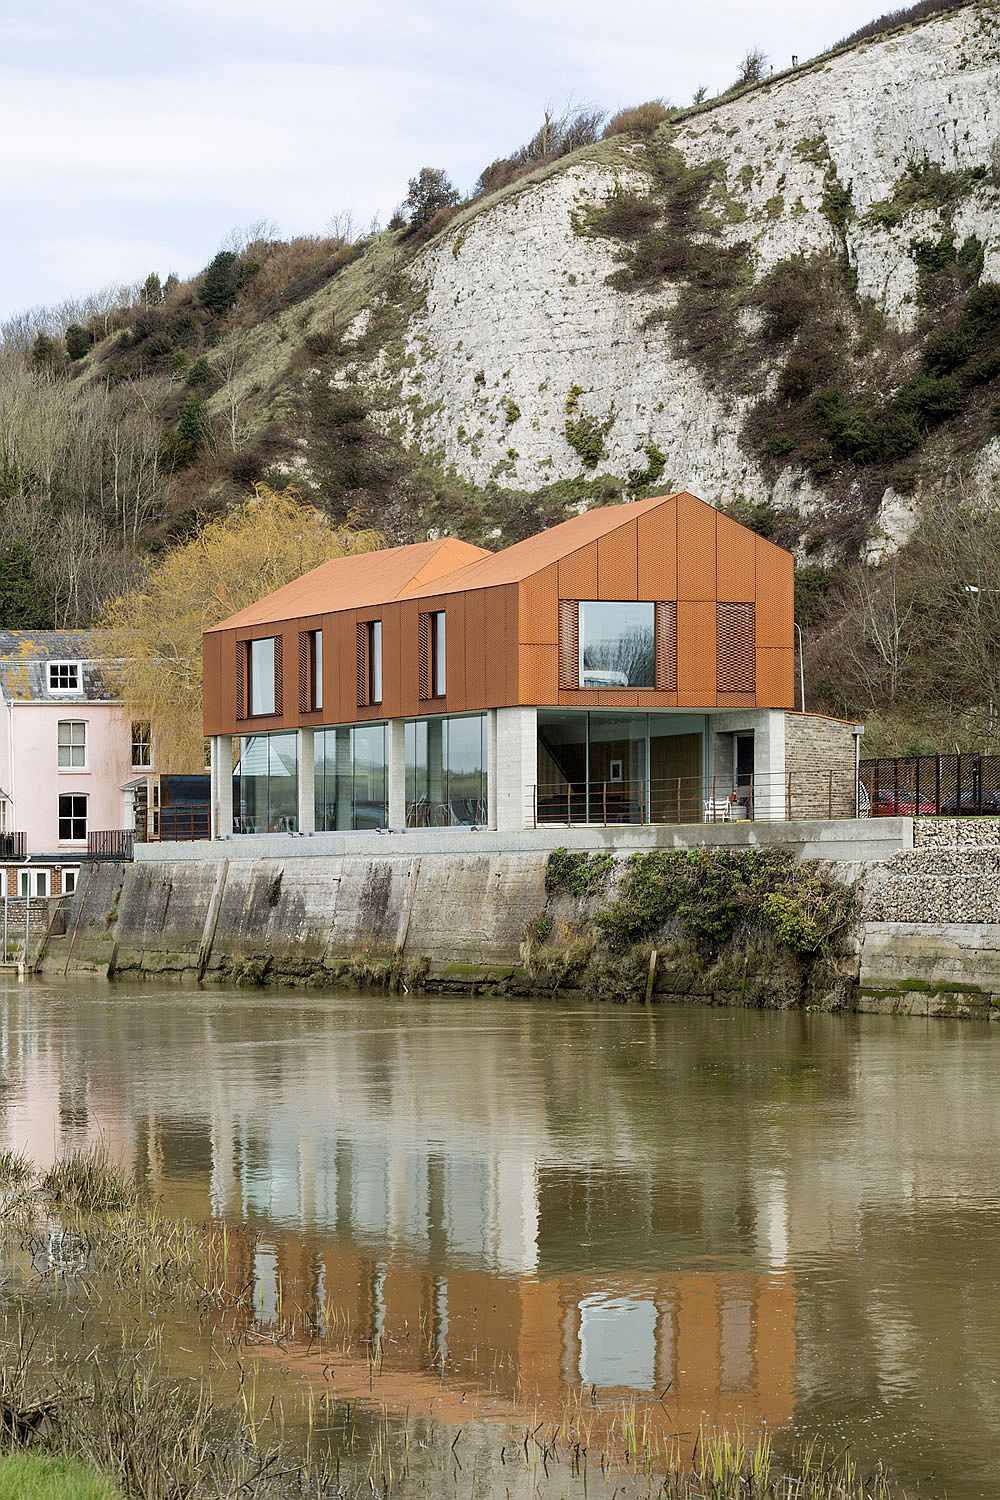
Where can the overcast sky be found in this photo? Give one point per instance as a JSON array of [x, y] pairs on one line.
[[134, 134]]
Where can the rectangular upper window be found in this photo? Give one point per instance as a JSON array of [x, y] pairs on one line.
[[72, 818], [374, 661], [260, 676], [439, 655], [72, 745], [617, 644], [315, 649], [64, 676], [142, 745]]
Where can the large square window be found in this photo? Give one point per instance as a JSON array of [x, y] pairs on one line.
[[261, 664], [617, 645]]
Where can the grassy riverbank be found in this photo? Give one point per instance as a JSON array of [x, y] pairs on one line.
[[96, 1373]]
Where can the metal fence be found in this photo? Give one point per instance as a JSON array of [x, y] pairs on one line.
[[789, 796], [110, 843], [929, 785]]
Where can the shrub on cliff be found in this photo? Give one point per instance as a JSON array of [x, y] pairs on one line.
[[639, 119]]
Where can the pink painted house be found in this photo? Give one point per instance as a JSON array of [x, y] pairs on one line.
[[67, 755]]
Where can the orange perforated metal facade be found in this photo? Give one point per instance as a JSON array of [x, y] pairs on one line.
[[724, 622]]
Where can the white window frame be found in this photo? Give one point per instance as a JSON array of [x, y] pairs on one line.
[[42, 877], [70, 724], [56, 666], [142, 765], [86, 817], [70, 871]]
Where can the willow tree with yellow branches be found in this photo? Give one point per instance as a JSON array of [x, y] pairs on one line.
[[155, 630]]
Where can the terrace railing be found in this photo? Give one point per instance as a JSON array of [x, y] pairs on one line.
[[12, 845], [791, 796]]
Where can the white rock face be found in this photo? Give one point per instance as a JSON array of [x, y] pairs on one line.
[[519, 313]]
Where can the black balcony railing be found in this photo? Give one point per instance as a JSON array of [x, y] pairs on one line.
[[12, 846], [110, 843]]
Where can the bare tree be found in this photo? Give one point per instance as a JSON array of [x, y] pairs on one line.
[[753, 67]]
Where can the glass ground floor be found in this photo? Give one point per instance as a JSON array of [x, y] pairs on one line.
[[507, 768], [445, 769], [605, 767]]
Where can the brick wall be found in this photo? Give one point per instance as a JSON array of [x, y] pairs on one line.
[[820, 762]]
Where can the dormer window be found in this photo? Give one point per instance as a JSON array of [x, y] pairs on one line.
[[64, 676]]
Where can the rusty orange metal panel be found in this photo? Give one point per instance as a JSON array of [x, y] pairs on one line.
[[696, 548], [409, 664], [457, 699], [696, 652], [495, 604], [775, 677], [475, 648], [586, 698], [736, 561], [347, 667], [290, 716], [538, 608], [578, 573], [389, 707], [775, 595], [538, 674], [218, 690], [657, 553], [617, 563], [510, 641]]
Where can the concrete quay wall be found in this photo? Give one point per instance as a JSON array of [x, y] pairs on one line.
[[442, 907]]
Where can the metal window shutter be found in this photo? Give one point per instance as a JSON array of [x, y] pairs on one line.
[[735, 655], [279, 705], [241, 681], [666, 646], [569, 643], [424, 656], [305, 696], [363, 665]]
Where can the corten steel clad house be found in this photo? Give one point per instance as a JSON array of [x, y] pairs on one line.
[[634, 664]]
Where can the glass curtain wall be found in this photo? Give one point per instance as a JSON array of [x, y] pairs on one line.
[[620, 767], [446, 772], [351, 778], [266, 784]]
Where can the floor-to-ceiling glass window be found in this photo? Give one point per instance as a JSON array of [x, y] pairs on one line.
[[351, 777], [266, 784], [607, 767], [446, 771]]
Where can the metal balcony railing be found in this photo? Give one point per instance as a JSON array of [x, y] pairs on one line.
[[110, 843], [12, 845], [697, 799]]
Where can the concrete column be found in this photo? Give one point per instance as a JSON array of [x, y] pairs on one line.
[[513, 767], [396, 754], [222, 785], [769, 766], [307, 780]]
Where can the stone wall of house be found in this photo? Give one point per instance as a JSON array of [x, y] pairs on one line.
[[821, 765]]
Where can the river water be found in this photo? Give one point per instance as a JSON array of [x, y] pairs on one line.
[[733, 1218]]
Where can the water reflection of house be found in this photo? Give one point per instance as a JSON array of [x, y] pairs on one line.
[[704, 1346]]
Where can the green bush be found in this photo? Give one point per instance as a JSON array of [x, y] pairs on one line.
[[575, 873]]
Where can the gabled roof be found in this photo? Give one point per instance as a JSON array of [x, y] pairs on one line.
[[25, 654], [359, 581], [536, 552]]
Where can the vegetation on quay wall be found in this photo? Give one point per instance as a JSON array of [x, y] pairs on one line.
[[90, 1409], [751, 927]]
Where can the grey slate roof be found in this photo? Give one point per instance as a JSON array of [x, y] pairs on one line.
[[24, 659]]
